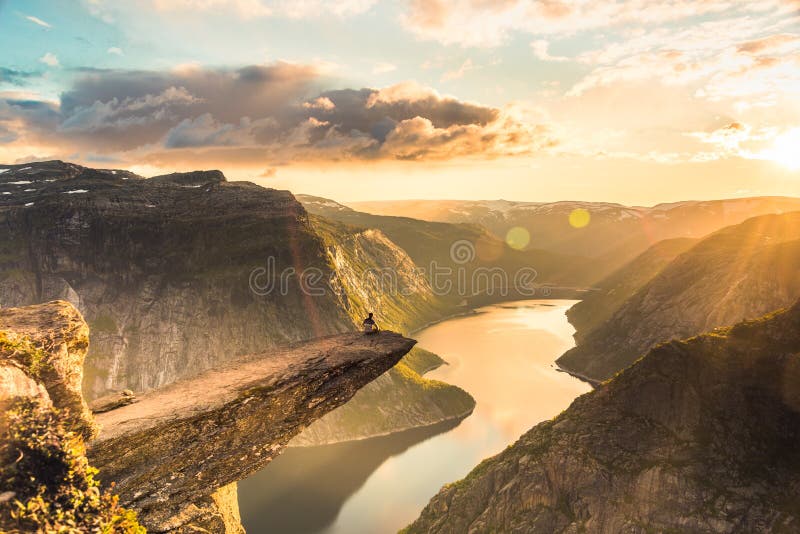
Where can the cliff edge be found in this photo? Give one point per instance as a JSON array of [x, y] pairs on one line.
[[180, 443]]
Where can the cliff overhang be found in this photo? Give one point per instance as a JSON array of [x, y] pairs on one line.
[[180, 443]]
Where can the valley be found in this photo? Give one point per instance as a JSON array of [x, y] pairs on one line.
[[380, 484], [189, 281]]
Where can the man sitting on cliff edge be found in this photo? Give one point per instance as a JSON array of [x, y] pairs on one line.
[[369, 325]]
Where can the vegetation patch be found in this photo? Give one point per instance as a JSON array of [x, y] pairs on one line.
[[33, 360], [53, 487]]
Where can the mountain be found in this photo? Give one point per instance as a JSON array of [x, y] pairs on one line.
[[161, 268], [614, 234], [739, 272], [597, 306], [466, 256], [698, 436], [177, 274]]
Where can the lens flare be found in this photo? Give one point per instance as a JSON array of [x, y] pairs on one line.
[[518, 238], [579, 218]]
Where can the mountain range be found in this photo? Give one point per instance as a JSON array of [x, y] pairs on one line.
[[615, 233]]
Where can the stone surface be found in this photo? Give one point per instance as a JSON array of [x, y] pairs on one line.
[[57, 330], [182, 442], [112, 401], [697, 436]]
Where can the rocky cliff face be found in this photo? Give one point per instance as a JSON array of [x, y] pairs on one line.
[[465, 249], [611, 292], [162, 270], [697, 436], [161, 267], [740, 272], [51, 341]]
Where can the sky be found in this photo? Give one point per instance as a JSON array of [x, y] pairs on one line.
[[637, 102]]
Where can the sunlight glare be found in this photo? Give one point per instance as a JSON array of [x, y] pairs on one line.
[[786, 150]]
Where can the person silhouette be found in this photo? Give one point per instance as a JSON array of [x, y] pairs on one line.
[[369, 325]]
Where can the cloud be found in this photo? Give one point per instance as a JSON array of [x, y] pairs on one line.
[[744, 141], [383, 68], [322, 103], [123, 114], [541, 48], [49, 59], [38, 21], [722, 59], [259, 114], [115, 51], [419, 139], [488, 23], [408, 91], [266, 8], [459, 72], [15, 77], [770, 42]]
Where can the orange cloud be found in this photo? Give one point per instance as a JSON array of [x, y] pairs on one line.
[[274, 114]]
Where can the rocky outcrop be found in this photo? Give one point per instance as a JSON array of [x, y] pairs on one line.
[[179, 273], [175, 454], [47, 483], [161, 267], [375, 274], [217, 513], [46, 344], [698, 436], [168, 452], [740, 272], [398, 400]]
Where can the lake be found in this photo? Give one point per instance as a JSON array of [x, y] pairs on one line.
[[503, 355]]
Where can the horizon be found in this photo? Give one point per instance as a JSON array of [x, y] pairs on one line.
[[346, 202]]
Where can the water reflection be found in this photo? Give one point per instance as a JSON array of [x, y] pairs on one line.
[[304, 489]]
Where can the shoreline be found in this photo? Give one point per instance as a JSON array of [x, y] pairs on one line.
[[583, 378], [455, 418]]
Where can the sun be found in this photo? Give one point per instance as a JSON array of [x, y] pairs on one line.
[[786, 150]]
